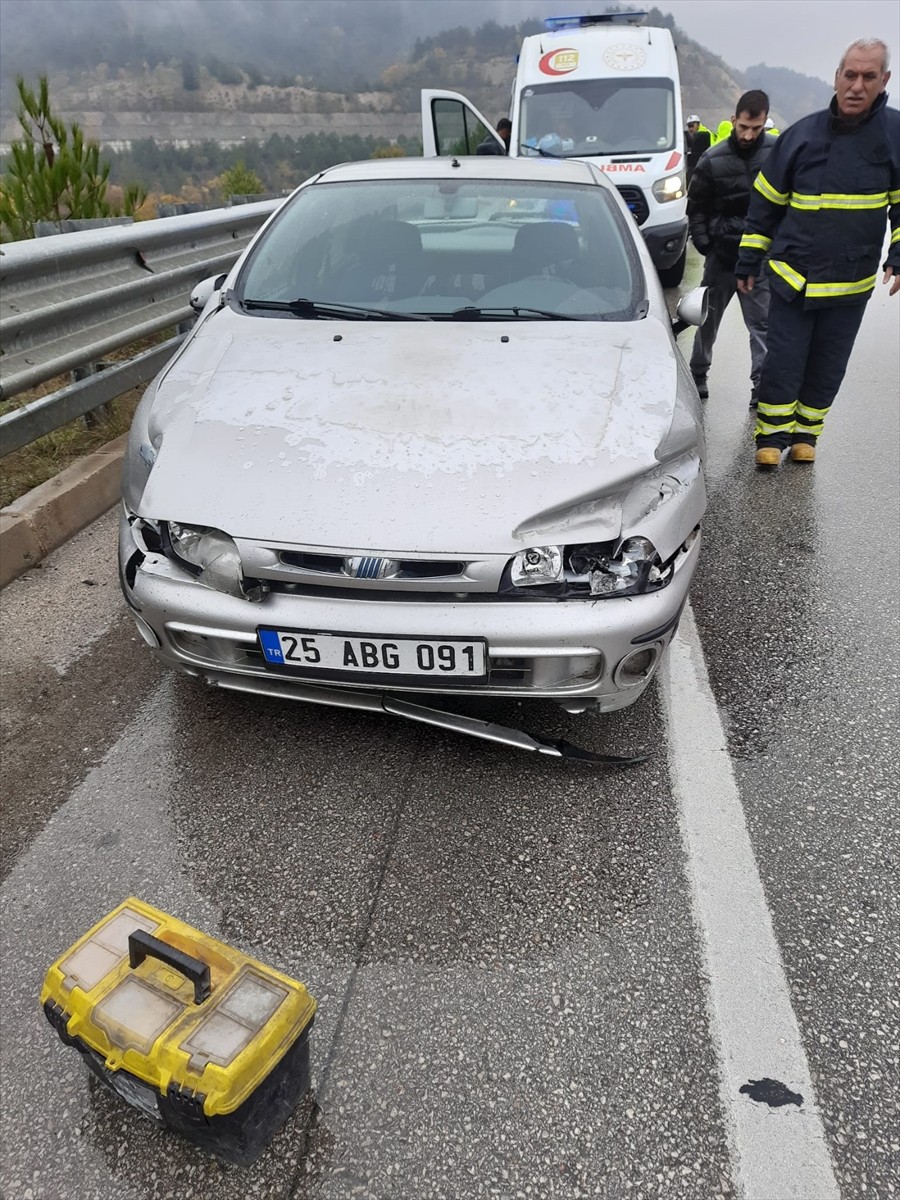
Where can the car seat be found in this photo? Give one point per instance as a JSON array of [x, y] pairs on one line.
[[543, 248], [388, 262]]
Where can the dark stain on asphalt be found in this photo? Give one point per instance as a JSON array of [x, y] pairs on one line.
[[771, 1092], [57, 727]]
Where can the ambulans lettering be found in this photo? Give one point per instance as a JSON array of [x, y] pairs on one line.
[[559, 62], [621, 167]]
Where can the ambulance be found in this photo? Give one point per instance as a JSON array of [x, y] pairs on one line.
[[603, 88]]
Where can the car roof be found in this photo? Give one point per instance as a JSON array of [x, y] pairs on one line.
[[480, 166]]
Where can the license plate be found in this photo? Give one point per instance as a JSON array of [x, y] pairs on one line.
[[360, 654]]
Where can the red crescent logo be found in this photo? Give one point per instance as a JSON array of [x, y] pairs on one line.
[[544, 64]]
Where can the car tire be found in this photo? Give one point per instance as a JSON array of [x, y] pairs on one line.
[[672, 276]]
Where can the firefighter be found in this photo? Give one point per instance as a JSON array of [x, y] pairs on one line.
[[818, 215]]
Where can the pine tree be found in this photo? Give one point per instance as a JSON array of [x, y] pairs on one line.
[[53, 174], [240, 181]]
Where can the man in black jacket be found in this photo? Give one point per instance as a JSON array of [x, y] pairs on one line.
[[818, 218], [718, 200]]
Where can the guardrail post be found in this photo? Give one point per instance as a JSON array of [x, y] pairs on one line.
[[96, 417]]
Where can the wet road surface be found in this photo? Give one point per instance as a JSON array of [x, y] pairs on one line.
[[514, 982]]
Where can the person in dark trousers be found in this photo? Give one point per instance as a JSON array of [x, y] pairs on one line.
[[818, 216], [718, 199]]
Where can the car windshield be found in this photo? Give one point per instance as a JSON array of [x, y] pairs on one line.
[[598, 116], [446, 249]]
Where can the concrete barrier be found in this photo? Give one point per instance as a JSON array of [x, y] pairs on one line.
[[47, 516]]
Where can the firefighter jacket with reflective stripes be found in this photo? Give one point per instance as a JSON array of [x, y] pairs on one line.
[[819, 205]]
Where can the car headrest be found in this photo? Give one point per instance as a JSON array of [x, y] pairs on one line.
[[545, 243]]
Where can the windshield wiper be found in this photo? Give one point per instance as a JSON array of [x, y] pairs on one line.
[[324, 308], [472, 313], [538, 150]]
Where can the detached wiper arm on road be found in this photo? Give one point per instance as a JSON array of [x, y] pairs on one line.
[[325, 308], [518, 311]]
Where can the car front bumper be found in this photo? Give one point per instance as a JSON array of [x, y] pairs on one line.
[[666, 243], [582, 653]]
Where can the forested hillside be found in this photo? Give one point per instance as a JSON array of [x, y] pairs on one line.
[[177, 97]]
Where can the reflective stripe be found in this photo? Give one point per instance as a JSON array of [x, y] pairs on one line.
[[895, 236], [839, 200], [894, 197], [763, 428], [776, 410], [788, 274], [755, 241], [810, 420], [811, 414], [817, 290], [763, 186]]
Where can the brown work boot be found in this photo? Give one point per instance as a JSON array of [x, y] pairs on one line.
[[803, 452], [768, 456]]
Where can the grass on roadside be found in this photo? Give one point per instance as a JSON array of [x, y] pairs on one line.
[[36, 463]]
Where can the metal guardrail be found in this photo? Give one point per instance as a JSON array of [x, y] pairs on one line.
[[68, 300]]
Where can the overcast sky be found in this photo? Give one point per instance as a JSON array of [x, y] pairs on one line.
[[807, 35]]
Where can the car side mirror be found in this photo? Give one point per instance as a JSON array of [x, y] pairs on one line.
[[692, 310], [204, 289]]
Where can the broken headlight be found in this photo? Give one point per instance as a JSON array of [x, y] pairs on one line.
[[592, 570], [537, 565], [213, 557], [635, 568]]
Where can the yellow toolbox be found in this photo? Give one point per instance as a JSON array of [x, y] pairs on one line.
[[195, 1034]]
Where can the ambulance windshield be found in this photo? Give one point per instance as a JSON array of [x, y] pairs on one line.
[[578, 119]]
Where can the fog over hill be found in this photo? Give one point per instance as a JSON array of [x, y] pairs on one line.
[[228, 70], [338, 44]]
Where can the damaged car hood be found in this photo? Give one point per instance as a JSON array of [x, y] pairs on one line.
[[399, 435]]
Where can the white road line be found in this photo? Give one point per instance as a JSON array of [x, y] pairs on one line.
[[777, 1153]]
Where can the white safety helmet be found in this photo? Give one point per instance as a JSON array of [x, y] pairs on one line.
[[770, 124], [692, 119]]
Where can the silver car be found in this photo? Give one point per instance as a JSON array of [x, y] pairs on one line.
[[432, 434]]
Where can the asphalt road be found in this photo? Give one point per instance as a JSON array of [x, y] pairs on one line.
[[534, 979]]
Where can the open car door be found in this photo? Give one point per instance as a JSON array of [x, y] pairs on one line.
[[452, 125]]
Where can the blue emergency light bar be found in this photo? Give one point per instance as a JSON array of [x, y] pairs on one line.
[[582, 22]]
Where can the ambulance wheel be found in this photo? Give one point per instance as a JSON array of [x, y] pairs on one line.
[[672, 276]]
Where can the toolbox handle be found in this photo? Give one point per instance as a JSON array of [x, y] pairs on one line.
[[143, 945]]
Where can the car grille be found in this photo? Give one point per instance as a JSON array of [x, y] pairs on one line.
[[334, 564], [637, 202], [368, 575], [504, 673]]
